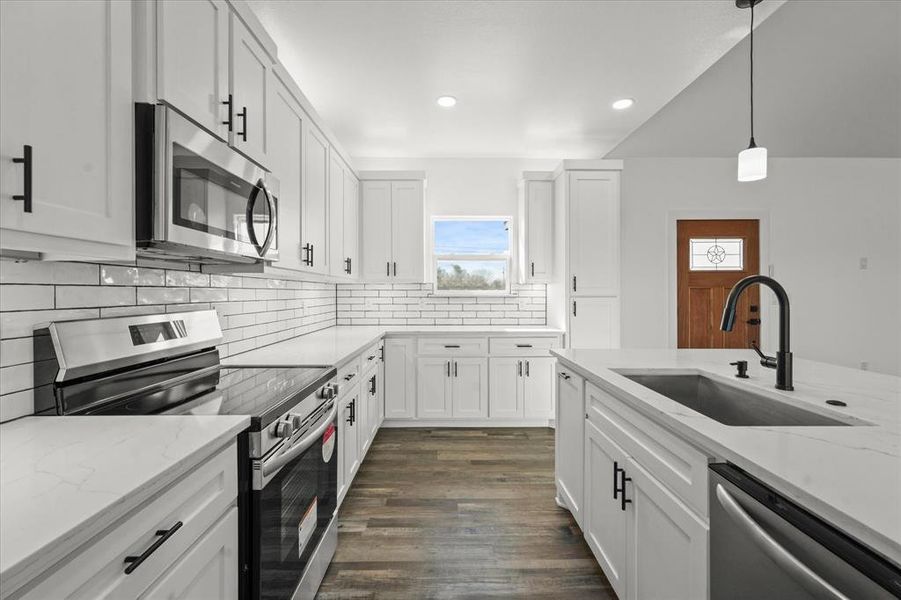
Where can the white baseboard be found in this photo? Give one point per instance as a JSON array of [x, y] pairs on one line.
[[486, 423]]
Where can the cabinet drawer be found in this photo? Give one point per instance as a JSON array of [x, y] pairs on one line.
[[370, 357], [522, 346], [348, 375], [466, 346], [678, 465], [196, 501]]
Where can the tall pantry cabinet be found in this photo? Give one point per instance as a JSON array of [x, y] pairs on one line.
[[585, 298]]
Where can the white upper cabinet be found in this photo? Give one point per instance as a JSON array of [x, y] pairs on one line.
[[407, 236], [343, 219], [376, 224], [250, 77], [67, 129], [286, 138], [594, 233], [192, 60], [393, 231], [314, 239], [594, 322], [536, 231]]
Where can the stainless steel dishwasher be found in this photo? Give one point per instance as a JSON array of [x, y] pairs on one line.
[[762, 545]]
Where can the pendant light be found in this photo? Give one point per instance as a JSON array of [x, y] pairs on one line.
[[752, 160]]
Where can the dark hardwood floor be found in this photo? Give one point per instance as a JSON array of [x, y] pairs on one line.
[[460, 513]]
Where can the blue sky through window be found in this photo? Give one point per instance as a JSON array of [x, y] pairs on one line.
[[471, 237]]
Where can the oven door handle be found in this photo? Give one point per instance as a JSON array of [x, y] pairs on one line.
[[273, 218], [812, 582], [274, 464]]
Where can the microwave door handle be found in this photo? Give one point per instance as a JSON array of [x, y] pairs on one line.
[[273, 465], [813, 583], [251, 233]]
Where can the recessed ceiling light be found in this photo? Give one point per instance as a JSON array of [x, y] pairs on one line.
[[623, 104], [446, 101]]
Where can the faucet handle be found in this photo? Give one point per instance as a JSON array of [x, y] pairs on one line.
[[769, 362]]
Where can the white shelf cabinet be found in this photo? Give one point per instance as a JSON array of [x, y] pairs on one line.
[[393, 231], [67, 94], [536, 231]]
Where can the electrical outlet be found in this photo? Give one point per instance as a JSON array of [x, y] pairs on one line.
[[864, 365], [863, 263]]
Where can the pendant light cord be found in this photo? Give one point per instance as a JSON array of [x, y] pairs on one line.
[[752, 74]]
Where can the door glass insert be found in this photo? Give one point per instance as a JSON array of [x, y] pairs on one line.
[[716, 254]]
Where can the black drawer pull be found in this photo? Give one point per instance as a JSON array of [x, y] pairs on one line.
[[230, 121], [523, 345], [451, 345], [135, 561], [25, 161], [243, 116]]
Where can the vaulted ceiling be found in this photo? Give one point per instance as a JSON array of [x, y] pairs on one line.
[[533, 78]]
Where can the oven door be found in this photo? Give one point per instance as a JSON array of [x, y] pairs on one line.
[[213, 198], [293, 502]]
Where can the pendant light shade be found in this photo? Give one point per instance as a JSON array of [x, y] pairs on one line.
[[752, 164], [751, 161]]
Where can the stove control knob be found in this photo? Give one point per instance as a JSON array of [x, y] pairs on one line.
[[327, 393], [283, 429], [295, 420]]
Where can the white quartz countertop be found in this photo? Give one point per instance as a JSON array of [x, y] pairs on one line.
[[333, 346], [849, 476], [65, 479]]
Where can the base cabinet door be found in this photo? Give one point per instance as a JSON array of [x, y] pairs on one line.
[[667, 543], [469, 388], [434, 387], [605, 522], [505, 385], [208, 570], [538, 388], [569, 445], [400, 379], [348, 432]]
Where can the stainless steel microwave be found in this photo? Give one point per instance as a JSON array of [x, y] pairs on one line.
[[196, 198]]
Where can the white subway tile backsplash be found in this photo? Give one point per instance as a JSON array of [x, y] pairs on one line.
[[254, 310], [414, 304], [26, 297]]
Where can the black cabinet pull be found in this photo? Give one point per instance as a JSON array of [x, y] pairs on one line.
[[353, 412], [372, 385], [230, 120], [533, 269], [623, 500], [135, 561], [451, 345], [523, 345], [312, 256], [26, 163], [527, 369], [243, 115], [574, 283], [347, 265], [395, 269], [308, 255], [615, 480], [519, 368], [388, 268], [455, 368], [574, 308], [448, 368]]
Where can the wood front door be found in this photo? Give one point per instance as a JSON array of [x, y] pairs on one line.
[[712, 255]]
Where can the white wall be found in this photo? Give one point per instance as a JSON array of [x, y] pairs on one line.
[[824, 215], [465, 186]]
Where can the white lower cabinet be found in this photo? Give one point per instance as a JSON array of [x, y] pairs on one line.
[[521, 388], [667, 544], [348, 437], [452, 388], [604, 522], [569, 441], [209, 570], [400, 379], [197, 558]]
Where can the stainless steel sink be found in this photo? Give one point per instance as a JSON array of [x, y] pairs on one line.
[[728, 404]]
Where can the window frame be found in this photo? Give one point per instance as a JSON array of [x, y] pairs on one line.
[[507, 257]]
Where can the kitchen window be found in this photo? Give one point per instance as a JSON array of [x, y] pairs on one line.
[[471, 255]]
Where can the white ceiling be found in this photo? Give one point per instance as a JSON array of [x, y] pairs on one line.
[[533, 78], [827, 84]]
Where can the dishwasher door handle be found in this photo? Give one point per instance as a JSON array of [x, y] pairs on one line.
[[816, 585]]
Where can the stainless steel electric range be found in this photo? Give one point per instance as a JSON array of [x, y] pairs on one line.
[[169, 364]]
